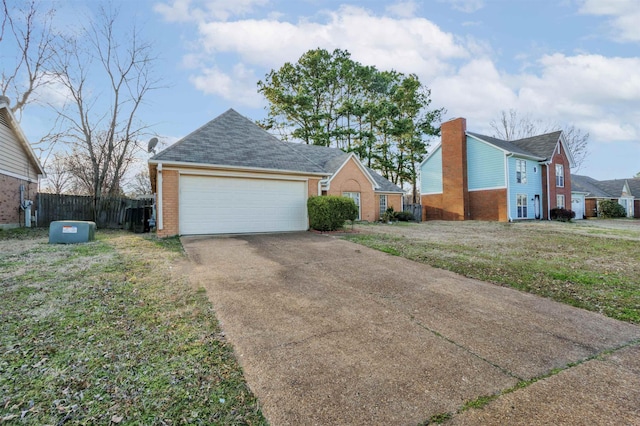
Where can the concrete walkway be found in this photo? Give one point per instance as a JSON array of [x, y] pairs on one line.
[[330, 332]]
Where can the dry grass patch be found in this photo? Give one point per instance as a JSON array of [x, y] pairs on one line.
[[589, 266], [102, 332]]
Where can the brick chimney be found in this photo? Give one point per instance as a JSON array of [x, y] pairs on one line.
[[455, 187]]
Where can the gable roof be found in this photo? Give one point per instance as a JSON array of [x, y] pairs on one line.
[[233, 140], [541, 145], [604, 188], [9, 119], [507, 146]]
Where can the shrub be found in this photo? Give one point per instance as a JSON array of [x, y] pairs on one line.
[[404, 216], [388, 215], [562, 214], [328, 213], [611, 209]]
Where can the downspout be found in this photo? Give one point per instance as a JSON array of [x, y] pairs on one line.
[[508, 187], [159, 201], [548, 193]]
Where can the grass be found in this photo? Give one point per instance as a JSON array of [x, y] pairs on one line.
[[105, 333], [599, 272]]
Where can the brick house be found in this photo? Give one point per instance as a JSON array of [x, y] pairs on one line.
[[19, 171], [469, 176], [625, 192], [231, 176]]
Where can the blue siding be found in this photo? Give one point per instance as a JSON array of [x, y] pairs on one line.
[[431, 174], [532, 188], [485, 165]]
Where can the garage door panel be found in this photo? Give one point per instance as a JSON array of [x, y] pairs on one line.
[[213, 205]]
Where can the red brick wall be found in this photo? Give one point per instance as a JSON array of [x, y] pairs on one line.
[[352, 179], [489, 205], [431, 207], [636, 209], [559, 158], [11, 215], [170, 203], [455, 193]]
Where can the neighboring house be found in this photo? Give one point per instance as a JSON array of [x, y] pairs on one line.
[[624, 191], [19, 171], [231, 176], [469, 176]]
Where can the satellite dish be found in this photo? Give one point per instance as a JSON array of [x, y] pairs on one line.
[[152, 145]]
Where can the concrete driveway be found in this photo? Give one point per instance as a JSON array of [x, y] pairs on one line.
[[330, 332]]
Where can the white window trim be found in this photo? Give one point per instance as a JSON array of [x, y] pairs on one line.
[[525, 207], [356, 199], [386, 204], [560, 177], [563, 201], [521, 167]]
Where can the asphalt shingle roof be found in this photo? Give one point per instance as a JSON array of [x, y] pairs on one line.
[[541, 146], [604, 188], [502, 144], [233, 140]]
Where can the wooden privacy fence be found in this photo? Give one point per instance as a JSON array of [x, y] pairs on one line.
[[106, 212], [415, 210]]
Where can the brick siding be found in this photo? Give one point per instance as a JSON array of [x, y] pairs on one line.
[[11, 215]]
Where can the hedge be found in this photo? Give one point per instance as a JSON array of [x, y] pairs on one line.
[[330, 212]]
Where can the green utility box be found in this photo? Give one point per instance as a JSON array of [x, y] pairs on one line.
[[71, 231]]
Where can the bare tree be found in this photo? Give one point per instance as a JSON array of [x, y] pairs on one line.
[[59, 178], [27, 30], [140, 184], [107, 75], [510, 126]]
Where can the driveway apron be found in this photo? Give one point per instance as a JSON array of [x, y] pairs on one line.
[[330, 332]]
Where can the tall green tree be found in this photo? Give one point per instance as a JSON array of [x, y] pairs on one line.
[[327, 98]]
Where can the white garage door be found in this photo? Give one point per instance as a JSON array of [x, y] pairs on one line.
[[217, 205]]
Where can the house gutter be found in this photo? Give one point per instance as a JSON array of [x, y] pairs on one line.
[[159, 206], [547, 164], [508, 186]]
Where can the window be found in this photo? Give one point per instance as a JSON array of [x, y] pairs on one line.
[[560, 201], [559, 175], [521, 171], [383, 204], [522, 205], [355, 196]]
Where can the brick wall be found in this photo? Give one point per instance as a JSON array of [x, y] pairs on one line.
[[455, 192], [11, 215], [489, 205], [352, 179], [559, 158], [431, 207], [313, 187], [170, 203]]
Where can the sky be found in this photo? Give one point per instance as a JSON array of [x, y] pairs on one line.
[[571, 62]]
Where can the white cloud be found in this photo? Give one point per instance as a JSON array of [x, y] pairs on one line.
[[200, 10], [239, 85], [408, 44], [625, 16], [467, 6], [403, 9]]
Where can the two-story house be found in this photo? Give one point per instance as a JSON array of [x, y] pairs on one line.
[[469, 176]]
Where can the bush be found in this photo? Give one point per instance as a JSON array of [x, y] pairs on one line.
[[328, 213], [388, 215], [611, 209], [404, 216], [562, 214]]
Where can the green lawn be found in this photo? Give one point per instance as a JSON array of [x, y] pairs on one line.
[[106, 333], [595, 269]]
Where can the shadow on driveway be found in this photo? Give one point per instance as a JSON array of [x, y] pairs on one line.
[[330, 332]]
